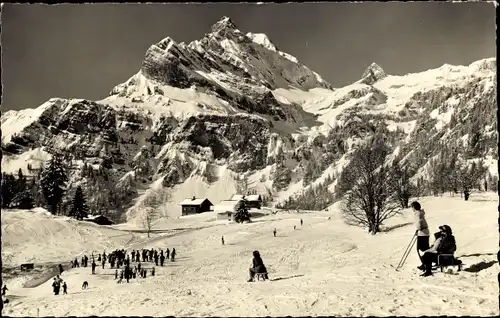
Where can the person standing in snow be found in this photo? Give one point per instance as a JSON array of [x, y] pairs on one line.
[[93, 267], [222, 239], [54, 286], [65, 288], [301, 222], [162, 258], [174, 253], [168, 253], [116, 274], [274, 232], [421, 231]]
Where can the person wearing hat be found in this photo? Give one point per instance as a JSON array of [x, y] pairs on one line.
[[444, 244], [422, 229]]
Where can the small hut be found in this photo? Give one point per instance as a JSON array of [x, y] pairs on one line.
[[195, 206], [254, 201], [226, 209], [99, 219]]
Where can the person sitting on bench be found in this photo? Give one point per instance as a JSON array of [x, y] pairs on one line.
[[444, 244], [257, 266]]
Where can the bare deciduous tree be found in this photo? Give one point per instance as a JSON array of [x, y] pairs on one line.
[[400, 183], [154, 204], [470, 176], [369, 199], [243, 185]]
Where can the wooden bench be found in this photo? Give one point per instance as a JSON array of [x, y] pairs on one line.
[[445, 260], [260, 276]]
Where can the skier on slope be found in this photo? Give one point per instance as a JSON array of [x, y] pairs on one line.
[[422, 230]]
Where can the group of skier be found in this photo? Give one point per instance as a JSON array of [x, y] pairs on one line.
[[57, 284], [84, 262], [128, 273]]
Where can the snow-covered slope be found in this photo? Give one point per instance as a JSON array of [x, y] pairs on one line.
[[197, 115], [323, 268], [37, 236]]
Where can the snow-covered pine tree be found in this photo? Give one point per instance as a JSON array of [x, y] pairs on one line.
[[79, 208], [53, 182], [242, 213]]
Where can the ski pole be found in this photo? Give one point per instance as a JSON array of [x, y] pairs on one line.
[[405, 257], [406, 253]]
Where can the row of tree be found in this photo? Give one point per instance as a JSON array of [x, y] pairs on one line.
[[314, 198], [375, 187], [47, 188]]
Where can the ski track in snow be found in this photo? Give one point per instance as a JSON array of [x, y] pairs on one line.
[[322, 268]]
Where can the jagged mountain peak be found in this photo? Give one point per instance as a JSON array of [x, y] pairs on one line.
[[166, 43], [372, 74], [245, 62], [224, 24]]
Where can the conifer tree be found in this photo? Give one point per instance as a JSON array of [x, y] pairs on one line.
[[53, 182], [242, 213], [21, 181], [8, 189], [79, 208]]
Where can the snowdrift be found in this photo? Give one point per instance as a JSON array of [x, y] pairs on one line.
[[38, 237]]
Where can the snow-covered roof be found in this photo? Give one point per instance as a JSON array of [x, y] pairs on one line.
[[251, 197], [192, 201], [226, 206], [93, 217]]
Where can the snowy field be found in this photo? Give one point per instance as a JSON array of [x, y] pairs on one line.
[[322, 268]]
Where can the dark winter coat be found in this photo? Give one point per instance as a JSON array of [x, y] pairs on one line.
[[258, 264], [448, 245]]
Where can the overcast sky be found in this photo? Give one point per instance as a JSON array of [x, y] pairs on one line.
[[83, 51]]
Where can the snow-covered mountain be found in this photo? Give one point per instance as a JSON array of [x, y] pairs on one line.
[[197, 115]]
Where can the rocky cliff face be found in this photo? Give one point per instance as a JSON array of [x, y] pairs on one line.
[[197, 115]]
